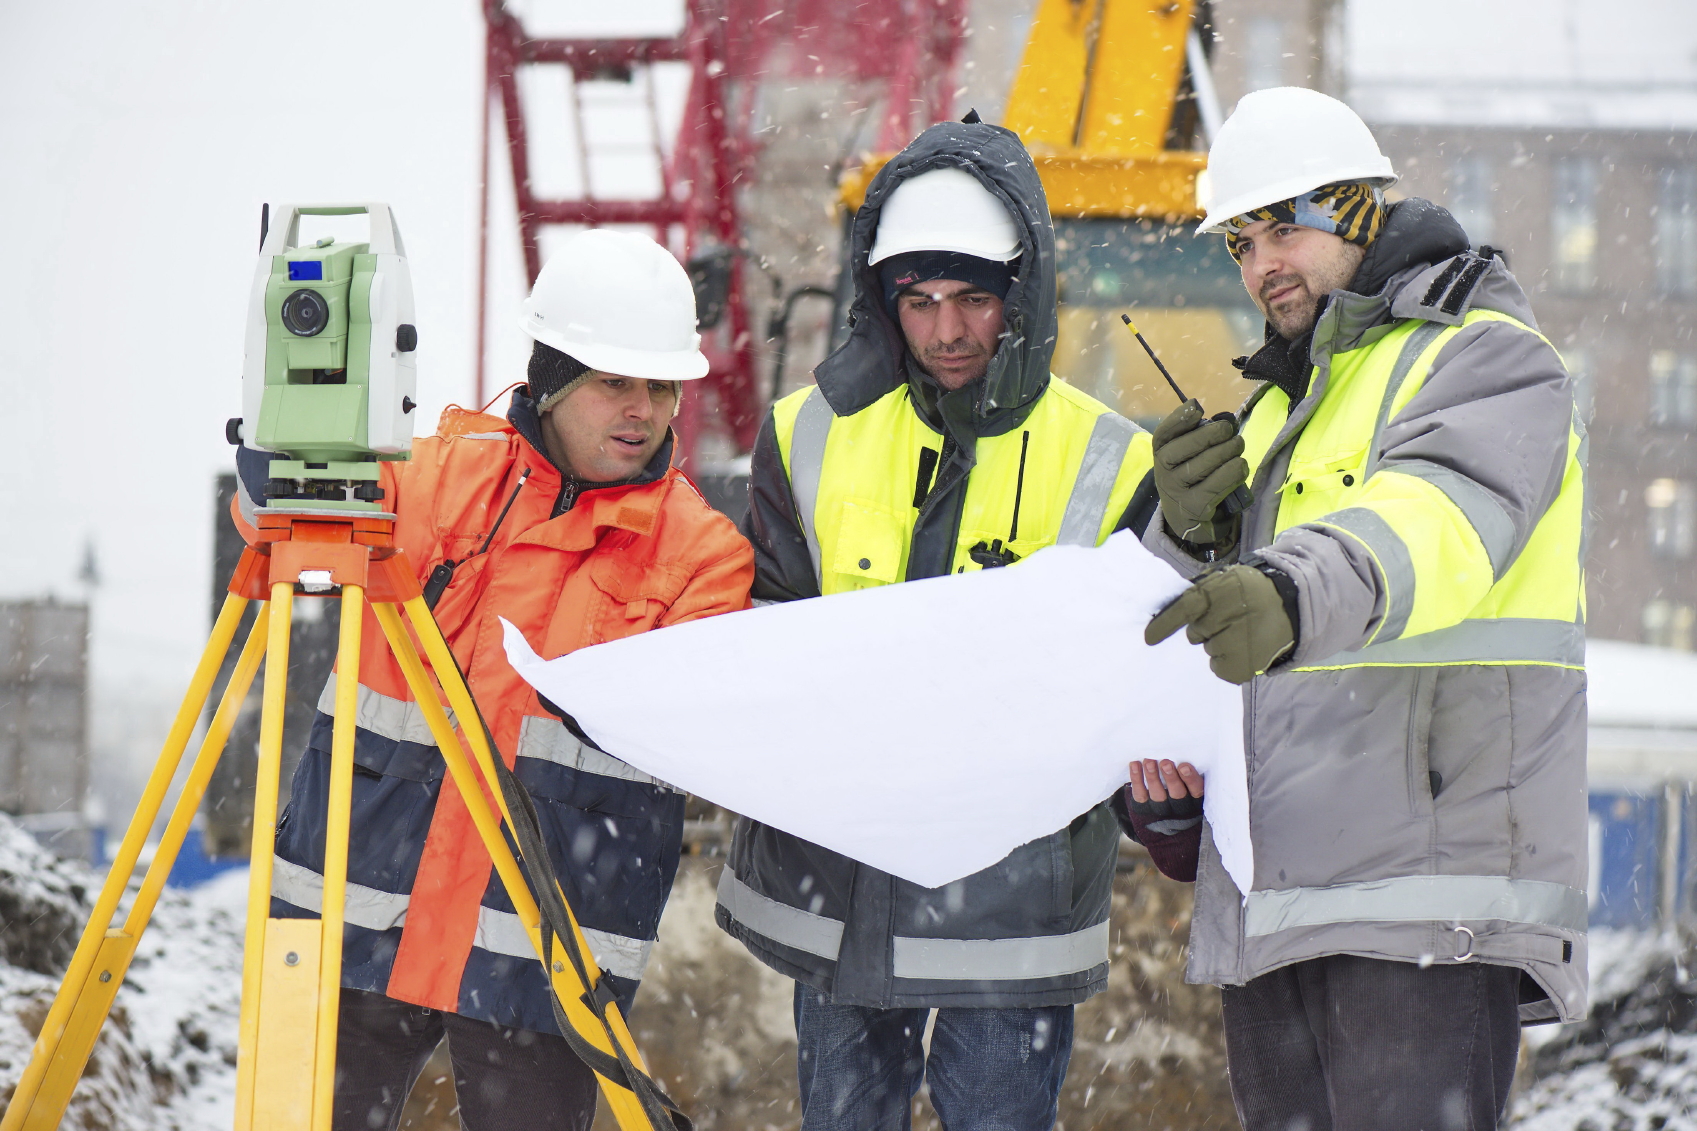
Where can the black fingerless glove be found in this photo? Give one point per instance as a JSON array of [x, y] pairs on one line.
[[1171, 830]]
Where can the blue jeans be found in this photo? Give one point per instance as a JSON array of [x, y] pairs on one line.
[[989, 1069]]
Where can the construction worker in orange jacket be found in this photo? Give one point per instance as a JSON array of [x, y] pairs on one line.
[[568, 520]]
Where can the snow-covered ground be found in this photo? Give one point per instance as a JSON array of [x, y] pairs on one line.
[[1633, 1065], [166, 1060]]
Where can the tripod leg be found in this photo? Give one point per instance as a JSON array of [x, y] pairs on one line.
[[624, 1104], [29, 1107], [279, 958], [336, 855], [117, 949]]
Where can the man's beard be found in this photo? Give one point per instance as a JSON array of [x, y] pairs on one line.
[[1295, 319], [954, 352], [1291, 320]]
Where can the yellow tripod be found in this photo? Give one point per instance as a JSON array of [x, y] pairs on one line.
[[291, 972]]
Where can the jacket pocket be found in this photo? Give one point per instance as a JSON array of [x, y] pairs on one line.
[[614, 844], [869, 543], [1422, 790], [1320, 484], [641, 594]]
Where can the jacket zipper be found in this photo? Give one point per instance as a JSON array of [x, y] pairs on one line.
[[566, 499]]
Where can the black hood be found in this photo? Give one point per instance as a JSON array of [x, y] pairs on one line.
[[873, 361], [1417, 233]]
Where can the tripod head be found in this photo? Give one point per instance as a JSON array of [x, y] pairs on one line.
[[329, 373]]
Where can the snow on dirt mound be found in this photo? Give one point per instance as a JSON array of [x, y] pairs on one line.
[[1632, 1066], [166, 1058]]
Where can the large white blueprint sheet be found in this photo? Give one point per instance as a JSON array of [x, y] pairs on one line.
[[928, 728]]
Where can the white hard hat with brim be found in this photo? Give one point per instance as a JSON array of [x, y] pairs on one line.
[[619, 303], [1280, 143], [945, 210]]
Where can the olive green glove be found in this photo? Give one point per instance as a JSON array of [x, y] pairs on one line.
[[1238, 615], [1197, 464]]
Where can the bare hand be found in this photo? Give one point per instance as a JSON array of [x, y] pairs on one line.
[[1156, 781]]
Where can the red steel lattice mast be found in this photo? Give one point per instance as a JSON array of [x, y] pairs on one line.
[[909, 47]]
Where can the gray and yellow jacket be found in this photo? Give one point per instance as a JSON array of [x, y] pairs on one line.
[[877, 476], [1417, 767]]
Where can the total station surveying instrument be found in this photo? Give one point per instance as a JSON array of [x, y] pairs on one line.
[[328, 382]]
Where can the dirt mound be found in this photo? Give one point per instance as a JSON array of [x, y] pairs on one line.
[[166, 1057]]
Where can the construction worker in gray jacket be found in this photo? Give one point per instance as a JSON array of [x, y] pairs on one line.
[[1403, 602], [935, 443]]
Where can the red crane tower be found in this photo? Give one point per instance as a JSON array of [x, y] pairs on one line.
[[906, 50]]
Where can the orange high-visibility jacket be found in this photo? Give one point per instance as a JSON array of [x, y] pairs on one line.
[[428, 922]]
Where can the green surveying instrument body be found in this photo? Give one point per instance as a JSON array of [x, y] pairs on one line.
[[329, 374]]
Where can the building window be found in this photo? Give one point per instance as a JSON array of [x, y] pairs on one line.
[[1673, 518], [1673, 389], [1574, 224], [1471, 196], [1676, 231], [1668, 624], [1264, 57]]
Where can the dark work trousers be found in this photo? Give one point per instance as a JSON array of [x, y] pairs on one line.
[[989, 1069], [503, 1077], [1362, 1044]]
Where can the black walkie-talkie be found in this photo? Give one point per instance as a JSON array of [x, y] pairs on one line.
[[1238, 501]]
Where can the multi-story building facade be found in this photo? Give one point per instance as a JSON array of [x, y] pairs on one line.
[[1569, 141]]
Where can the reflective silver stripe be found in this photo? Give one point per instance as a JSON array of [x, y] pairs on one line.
[[483, 435], [1418, 340], [548, 740], [1584, 455], [790, 926], [1392, 555], [807, 463], [370, 908], [503, 933], [1481, 508], [1508, 640], [399, 719], [1001, 960], [1097, 474], [1405, 899]]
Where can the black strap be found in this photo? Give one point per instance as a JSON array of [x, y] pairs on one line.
[[922, 483], [1463, 289], [1442, 282], [533, 858], [1019, 487], [443, 575], [660, 1109]]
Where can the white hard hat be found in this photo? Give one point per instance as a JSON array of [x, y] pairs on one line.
[[945, 210], [620, 303], [1283, 142]]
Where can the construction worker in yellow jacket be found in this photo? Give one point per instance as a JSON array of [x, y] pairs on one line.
[[936, 442], [1404, 604]]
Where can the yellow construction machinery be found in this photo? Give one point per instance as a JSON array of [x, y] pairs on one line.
[[1115, 101]]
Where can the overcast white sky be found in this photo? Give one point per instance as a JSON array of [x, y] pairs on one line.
[[138, 141]]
